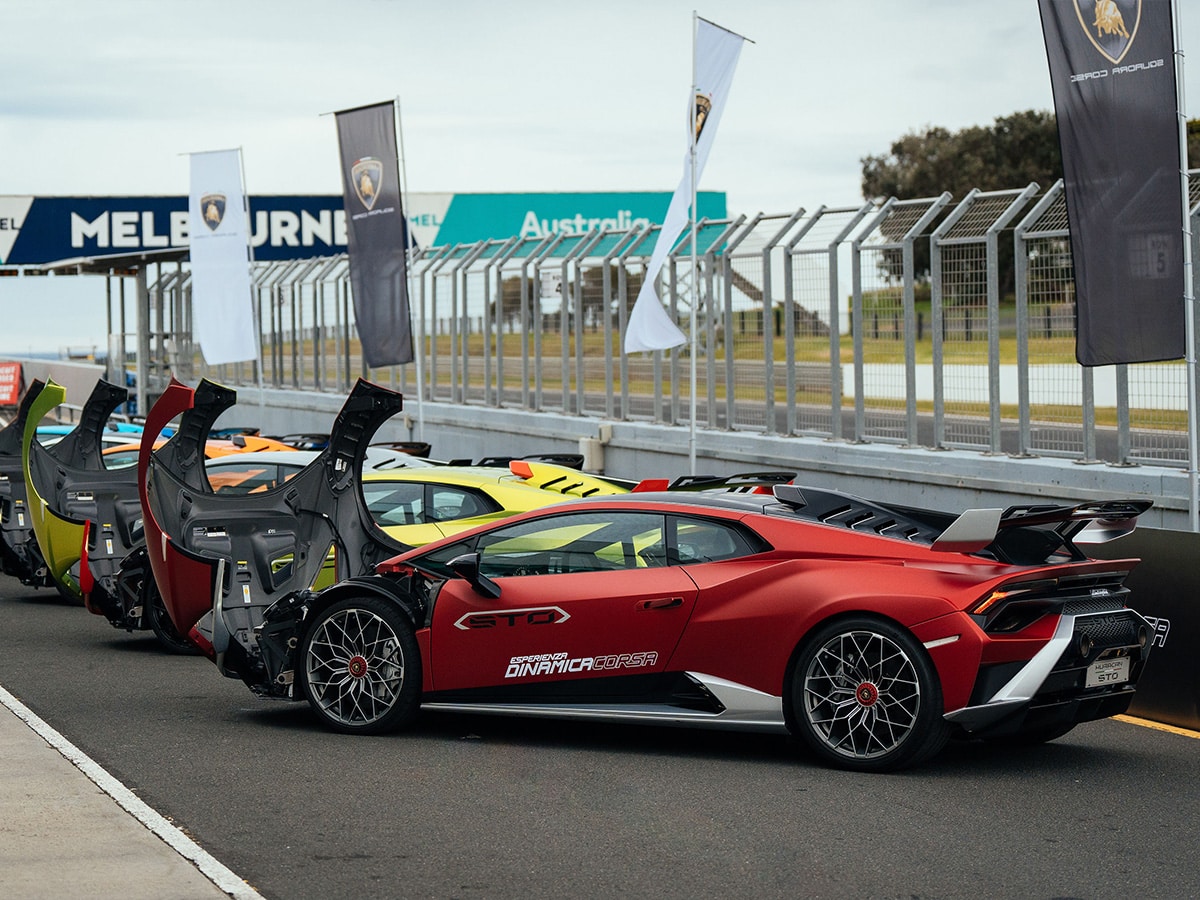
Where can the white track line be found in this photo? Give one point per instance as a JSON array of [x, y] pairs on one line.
[[208, 865]]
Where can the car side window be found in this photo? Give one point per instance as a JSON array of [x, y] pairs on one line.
[[395, 502], [447, 503], [579, 542], [705, 540]]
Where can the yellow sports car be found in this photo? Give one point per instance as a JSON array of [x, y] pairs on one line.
[[415, 502], [416, 506]]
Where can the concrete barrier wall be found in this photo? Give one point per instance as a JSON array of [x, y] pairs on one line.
[[950, 480]]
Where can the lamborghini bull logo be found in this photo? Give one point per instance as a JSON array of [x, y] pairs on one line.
[[703, 108], [1111, 25], [366, 175], [1109, 19], [212, 210]]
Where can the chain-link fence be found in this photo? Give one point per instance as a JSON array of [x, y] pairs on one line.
[[925, 323]]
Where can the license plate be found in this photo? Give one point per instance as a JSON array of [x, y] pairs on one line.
[[1108, 671]]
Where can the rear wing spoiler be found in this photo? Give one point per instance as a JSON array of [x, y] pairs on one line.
[[971, 531], [566, 460], [1085, 523], [413, 448], [743, 482]]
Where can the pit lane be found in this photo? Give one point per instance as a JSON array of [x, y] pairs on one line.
[[497, 808]]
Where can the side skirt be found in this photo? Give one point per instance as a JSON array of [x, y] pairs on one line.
[[730, 705]]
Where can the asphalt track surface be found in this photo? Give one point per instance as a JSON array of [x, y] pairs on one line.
[[477, 807]]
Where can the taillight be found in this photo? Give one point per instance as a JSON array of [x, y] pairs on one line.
[[992, 599], [1010, 591], [1012, 607]]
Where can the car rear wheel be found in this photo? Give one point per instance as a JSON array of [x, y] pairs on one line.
[[866, 697], [360, 668]]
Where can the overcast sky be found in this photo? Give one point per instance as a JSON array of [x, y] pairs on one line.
[[108, 97]]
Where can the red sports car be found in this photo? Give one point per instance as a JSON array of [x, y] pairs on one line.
[[873, 633]]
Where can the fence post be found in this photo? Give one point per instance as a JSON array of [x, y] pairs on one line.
[[789, 327], [1021, 262], [769, 335], [581, 254], [642, 239]]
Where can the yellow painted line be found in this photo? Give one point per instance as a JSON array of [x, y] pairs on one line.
[[1158, 726]]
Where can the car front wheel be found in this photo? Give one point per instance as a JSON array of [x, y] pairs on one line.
[[360, 668], [866, 697]]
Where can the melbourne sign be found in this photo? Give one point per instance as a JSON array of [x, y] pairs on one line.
[[38, 230]]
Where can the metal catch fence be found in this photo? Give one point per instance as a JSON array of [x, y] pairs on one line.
[[924, 323]]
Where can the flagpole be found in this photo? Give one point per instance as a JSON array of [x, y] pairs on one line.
[[695, 274], [420, 354], [1189, 296], [262, 403]]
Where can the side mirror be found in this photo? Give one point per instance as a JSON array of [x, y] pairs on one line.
[[467, 566]]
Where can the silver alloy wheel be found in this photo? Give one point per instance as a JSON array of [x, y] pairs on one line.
[[354, 667], [862, 694]]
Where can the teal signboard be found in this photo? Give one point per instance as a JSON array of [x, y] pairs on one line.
[[474, 217]]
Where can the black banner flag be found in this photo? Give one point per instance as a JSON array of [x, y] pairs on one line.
[[1112, 71], [377, 233]]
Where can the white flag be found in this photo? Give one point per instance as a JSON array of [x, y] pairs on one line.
[[222, 312], [716, 54]]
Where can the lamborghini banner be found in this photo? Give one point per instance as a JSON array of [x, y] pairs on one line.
[[1112, 72], [223, 319], [375, 233], [715, 54]]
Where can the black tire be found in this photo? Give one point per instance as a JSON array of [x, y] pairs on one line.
[[359, 667], [155, 612], [865, 697]]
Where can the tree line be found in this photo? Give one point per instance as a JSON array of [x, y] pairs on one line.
[[1008, 154], [1011, 152]]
